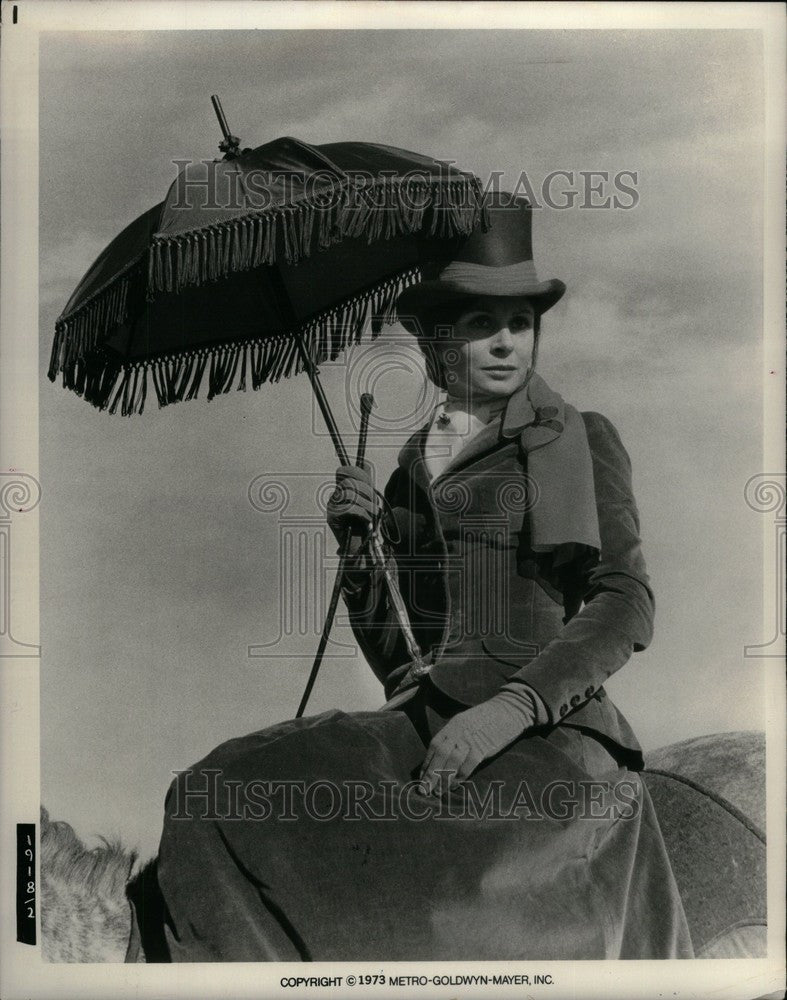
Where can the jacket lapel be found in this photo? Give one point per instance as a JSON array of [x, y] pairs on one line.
[[412, 460], [412, 456], [486, 440]]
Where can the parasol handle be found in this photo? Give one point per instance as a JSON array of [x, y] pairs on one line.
[[419, 666], [367, 402]]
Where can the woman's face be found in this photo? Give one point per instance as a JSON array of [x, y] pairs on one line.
[[491, 348]]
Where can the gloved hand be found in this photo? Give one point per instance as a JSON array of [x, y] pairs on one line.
[[475, 734], [354, 503]]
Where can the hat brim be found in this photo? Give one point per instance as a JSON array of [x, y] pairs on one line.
[[413, 300]]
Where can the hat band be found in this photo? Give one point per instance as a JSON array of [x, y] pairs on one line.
[[511, 279]]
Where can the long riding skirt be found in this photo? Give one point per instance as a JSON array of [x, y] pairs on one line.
[[311, 840]]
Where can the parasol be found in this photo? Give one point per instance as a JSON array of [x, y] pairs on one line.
[[254, 267], [248, 257]]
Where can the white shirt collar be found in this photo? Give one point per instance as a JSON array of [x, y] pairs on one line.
[[447, 437]]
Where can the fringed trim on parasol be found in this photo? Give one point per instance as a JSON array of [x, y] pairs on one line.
[[78, 334], [384, 209], [112, 385]]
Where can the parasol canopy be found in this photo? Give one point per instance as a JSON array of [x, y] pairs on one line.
[[246, 256]]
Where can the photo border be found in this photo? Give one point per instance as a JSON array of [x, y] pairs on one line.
[[24, 974]]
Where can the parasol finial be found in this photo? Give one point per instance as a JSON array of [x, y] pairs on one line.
[[230, 144]]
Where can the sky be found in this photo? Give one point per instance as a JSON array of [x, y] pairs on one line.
[[158, 571]]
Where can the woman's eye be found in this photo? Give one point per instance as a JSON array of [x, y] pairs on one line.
[[480, 322], [521, 322]]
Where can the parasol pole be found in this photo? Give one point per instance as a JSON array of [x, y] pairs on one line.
[[419, 666], [367, 402], [322, 400]]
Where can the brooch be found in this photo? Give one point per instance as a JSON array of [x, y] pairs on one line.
[[443, 420]]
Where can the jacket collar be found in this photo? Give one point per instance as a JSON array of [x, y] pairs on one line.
[[534, 412]]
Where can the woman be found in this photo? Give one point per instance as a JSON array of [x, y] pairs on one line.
[[491, 809]]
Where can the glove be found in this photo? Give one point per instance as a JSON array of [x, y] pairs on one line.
[[353, 503], [469, 737]]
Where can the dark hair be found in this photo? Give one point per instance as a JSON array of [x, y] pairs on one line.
[[435, 321]]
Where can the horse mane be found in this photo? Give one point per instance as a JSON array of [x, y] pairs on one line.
[[85, 915]]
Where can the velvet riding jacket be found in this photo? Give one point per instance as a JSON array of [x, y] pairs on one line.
[[486, 608]]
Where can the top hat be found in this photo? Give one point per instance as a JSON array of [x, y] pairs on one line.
[[493, 260]]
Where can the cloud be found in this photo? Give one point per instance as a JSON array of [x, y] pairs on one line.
[[63, 262]]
